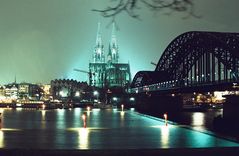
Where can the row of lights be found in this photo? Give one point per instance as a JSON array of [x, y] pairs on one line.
[[147, 88]]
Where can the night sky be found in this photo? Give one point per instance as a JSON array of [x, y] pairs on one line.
[[41, 40]]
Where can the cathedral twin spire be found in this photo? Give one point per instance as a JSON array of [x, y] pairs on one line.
[[113, 55], [99, 48]]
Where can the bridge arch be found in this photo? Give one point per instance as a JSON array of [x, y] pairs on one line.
[[196, 57], [205, 54]]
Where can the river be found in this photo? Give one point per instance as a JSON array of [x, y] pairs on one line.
[[103, 129]]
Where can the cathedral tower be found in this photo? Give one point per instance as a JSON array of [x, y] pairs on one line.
[[113, 54], [98, 56]]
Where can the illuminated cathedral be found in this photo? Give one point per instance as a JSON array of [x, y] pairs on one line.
[[105, 69]]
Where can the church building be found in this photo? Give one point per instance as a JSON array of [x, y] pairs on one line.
[[105, 69]]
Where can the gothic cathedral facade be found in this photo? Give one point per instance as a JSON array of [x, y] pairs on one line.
[[105, 70]]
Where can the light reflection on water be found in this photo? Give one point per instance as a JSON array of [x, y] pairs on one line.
[[106, 129], [198, 119], [61, 124], [43, 119], [43, 114], [18, 109], [83, 138], [88, 113], [165, 136], [122, 115], [77, 112], [1, 139], [96, 111], [2, 131]]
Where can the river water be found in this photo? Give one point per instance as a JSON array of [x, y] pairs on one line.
[[198, 120], [104, 129], [203, 121]]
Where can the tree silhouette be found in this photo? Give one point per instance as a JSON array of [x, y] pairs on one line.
[[131, 7]]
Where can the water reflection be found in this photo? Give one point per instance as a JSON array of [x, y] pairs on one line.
[[83, 138], [88, 113], [43, 114], [96, 111], [122, 118], [106, 129], [165, 136], [198, 119], [77, 113], [61, 119], [1, 139], [43, 119], [122, 115], [18, 109]]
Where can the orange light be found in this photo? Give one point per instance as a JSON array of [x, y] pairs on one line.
[[83, 117], [166, 119], [165, 116], [84, 120]]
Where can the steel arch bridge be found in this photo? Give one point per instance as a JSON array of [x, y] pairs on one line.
[[193, 59]]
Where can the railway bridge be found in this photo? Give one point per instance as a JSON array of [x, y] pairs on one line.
[[193, 62]]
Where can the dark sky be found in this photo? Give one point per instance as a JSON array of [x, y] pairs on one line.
[[41, 40]]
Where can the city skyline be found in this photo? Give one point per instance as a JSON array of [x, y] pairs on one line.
[[45, 40]]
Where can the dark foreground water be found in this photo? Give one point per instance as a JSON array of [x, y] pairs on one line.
[[105, 129], [198, 120]]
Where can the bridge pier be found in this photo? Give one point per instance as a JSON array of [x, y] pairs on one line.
[[231, 108], [156, 104], [228, 122]]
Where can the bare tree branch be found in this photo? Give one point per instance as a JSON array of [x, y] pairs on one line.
[[131, 7]]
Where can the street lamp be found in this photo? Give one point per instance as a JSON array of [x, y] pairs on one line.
[[77, 94], [132, 99], [96, 94], [114, 98]]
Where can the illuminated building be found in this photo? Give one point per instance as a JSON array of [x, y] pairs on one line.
[[67, 89], [2, 94], [107, 71], [11, 91], [23, 90], [46, 94], [2, 91], [28, 91]]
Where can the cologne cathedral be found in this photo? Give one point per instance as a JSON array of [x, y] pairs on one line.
[[105, 69]]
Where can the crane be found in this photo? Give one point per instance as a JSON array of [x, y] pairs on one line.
[[87, 72]]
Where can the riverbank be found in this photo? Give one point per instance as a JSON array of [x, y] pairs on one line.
[[203, 121]]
